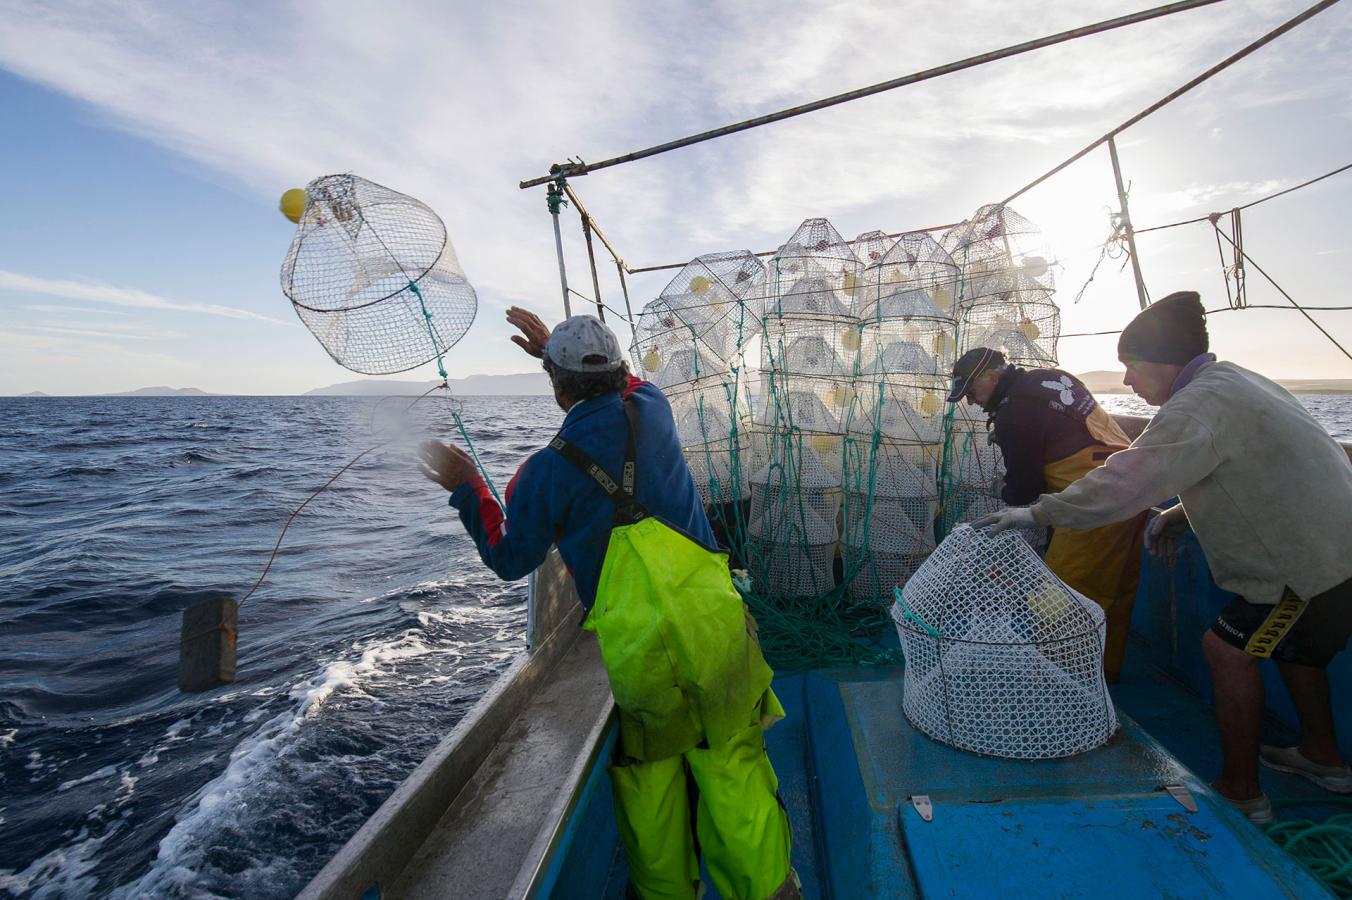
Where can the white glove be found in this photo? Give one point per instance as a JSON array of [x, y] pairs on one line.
[[1163, 529], [1009, 517]]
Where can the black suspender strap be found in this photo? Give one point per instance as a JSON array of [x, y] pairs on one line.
[[627, 508]]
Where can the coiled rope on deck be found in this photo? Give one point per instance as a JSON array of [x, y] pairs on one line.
[[1325, 848]]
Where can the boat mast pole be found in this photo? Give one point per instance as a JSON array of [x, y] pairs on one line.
[[1125, 219], [591, 257], [555, 200]]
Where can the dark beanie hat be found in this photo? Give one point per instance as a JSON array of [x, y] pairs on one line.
[[1171, 330]]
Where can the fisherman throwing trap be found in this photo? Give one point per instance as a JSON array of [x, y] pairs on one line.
[[693, 691], [1269, 494]]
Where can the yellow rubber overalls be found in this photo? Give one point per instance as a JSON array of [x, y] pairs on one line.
[[693, 693], [1104, 563]]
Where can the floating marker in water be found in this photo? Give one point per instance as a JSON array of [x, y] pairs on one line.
[[206, 650]]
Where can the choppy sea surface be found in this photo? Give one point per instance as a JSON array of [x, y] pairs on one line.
[[1334, 411], [376, 630]]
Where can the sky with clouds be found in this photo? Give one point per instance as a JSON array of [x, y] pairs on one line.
[[145, 146]]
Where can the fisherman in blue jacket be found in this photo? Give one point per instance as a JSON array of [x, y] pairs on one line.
[[612, 489]]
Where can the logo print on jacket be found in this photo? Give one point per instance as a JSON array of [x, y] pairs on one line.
[[1064, 386]]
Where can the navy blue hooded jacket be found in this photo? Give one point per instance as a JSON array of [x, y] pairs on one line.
[[1039, 418]]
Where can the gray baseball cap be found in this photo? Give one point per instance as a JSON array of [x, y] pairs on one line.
[[584, 344]]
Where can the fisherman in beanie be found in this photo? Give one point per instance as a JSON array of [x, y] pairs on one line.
[[1269, 494], [1052, 432]]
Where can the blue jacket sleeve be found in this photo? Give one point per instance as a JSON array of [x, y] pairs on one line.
[[514, 545]]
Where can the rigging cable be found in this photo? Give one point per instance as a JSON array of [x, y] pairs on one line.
[[1283, 292], [578, 167], [1251, 203]]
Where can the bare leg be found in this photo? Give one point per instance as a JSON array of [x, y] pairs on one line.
[[1238, 687], [1309, 690]]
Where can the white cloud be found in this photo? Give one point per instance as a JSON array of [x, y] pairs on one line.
[[455, 102], [107, 332], [119, 296]]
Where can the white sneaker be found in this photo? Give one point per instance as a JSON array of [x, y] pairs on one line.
[[1258, 810], [1337, 779]]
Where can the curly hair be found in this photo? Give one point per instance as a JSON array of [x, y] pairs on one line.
[[579, 386]]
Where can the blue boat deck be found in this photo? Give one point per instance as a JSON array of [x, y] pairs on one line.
[[1097, 824]]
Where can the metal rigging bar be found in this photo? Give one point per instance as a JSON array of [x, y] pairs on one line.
[[573, 169], [763, 253], [1155, 107]]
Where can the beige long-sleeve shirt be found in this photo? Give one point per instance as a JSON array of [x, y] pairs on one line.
[[1265, 487]]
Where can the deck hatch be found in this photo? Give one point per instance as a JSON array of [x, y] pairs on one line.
[[1143, 845]]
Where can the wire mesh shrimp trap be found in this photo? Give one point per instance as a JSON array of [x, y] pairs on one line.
[[1002, 658], [372, 274], [809, 394]]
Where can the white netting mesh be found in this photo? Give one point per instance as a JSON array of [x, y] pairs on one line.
[[1002, 658], [372, 274], [997, 238], [809, 393]]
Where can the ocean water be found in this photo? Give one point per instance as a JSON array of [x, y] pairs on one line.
[[377, 628], [1334, 411]]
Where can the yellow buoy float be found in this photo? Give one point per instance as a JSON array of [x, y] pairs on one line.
[[824, 444], [293, 203]]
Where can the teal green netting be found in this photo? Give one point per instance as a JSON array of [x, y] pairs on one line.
[[1325, 848], [809, 393]]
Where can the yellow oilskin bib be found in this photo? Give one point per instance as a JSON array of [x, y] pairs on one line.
[[1104, 563]]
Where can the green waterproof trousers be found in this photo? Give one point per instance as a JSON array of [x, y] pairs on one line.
[[694, 695], [743, 830]]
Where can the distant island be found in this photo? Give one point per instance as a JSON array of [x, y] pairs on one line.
[[140, 392], [1106, 381], [161, 392], [525, 383]]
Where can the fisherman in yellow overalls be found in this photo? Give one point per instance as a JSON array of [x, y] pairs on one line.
[[1051, 432], [612, 489]]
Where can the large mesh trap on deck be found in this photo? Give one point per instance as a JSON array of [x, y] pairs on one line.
[[809, 396], [1002, 658], [372, 274]]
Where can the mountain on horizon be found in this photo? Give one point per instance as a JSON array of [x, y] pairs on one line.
[[161, 391], [519, 384]]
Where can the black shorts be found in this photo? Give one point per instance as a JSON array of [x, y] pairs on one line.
[[1302, 632]]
